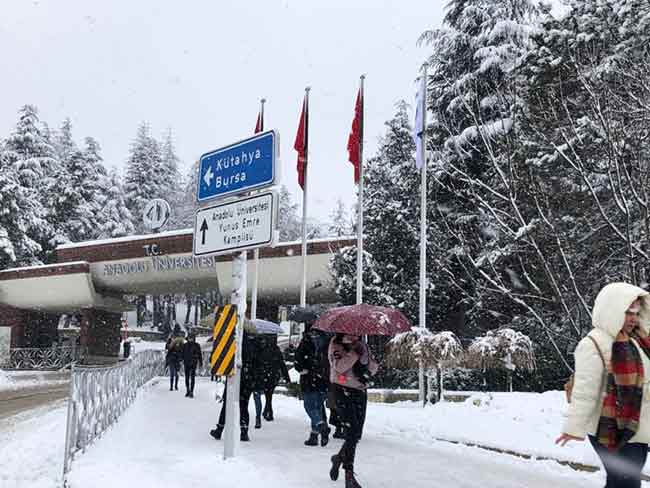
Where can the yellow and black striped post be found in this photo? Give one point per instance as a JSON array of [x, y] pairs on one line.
[[222, 358]]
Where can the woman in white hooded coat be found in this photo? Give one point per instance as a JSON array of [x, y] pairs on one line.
[[610, 401]]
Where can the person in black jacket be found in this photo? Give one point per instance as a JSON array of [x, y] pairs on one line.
[[312, 363], [269, 369], [246, 387], [192, 357], [173, 359]]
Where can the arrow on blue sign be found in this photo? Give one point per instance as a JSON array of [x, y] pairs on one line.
[[244, 166]]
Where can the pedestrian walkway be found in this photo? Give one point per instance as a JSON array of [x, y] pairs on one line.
[[162, 440]]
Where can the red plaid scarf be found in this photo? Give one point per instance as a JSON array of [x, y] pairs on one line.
[[619, 419]]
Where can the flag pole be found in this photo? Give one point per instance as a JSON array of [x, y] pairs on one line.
[[423, 223], [360, 202], [305, 165], [256, 253]]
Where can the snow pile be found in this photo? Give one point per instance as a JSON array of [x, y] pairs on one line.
[[20, 380], [527, 423], [6, 382], [31, 447]]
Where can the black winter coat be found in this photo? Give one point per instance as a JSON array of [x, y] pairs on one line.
[[174, 354], [269, 363], [311, 356], [249, 355], [192, 354]]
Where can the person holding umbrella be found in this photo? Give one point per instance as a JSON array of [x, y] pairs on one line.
[[351, 367]]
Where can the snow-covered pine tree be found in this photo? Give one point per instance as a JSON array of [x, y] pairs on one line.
[[18, 214], [114, 218], [29, 153], [143, 180], [172, 178], [183, 212], [289, 222], [77, 202], [339, 225], [64, 143]]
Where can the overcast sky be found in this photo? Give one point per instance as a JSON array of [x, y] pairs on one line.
[[200, 67]]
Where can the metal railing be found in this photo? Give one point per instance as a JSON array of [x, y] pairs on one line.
[[99, 395], [46, 358]]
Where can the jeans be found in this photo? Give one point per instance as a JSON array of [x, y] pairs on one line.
[[257, 396], [190, 378], [624, 466], [173, 374], [313, 402]]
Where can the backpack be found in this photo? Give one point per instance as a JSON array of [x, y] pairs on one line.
[[568, 386]]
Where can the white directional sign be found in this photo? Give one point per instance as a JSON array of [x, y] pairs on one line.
[[246, 223], [156, 213]]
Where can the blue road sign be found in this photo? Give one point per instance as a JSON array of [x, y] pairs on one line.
[[246, 165]]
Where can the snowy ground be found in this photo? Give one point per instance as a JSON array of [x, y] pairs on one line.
[[19, 380], [31, 447], [163, 441]]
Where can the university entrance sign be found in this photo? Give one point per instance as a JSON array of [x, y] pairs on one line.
[[238, 225], [241, 167]]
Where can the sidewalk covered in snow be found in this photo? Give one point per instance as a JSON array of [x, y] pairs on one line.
[[162, 440]]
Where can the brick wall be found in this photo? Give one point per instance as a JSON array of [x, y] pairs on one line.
[[16, 319], [178, 244]]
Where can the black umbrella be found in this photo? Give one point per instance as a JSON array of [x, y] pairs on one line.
[[305, 315]]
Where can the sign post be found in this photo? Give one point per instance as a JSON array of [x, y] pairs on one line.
[[234, 226], [238, 298]]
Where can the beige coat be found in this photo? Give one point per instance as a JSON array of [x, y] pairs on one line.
[[590, 375]]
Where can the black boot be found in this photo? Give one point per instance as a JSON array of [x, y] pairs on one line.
[[338, 433], [336, 465], [258, 422], [324, 435], [216, 433], [244, 435], [191, 394], [350, 481], [187, 394], [313, 440]]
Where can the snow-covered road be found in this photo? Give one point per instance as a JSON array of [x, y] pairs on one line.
[[162, 440]]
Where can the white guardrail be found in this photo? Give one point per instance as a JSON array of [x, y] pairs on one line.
[[100, 394]]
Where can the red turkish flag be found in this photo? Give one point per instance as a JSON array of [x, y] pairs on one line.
[[354, 140], [259, 126], [301, 145]]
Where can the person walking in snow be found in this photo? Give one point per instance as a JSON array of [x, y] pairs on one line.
[[610, 397], [192, 357], [269, 369], [312, 362], [173, 359], [351, 366], [246, 387]]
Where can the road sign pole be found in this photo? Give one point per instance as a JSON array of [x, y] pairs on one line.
[[238, 297]]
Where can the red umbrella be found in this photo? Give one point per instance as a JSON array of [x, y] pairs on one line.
[[363, 320]]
